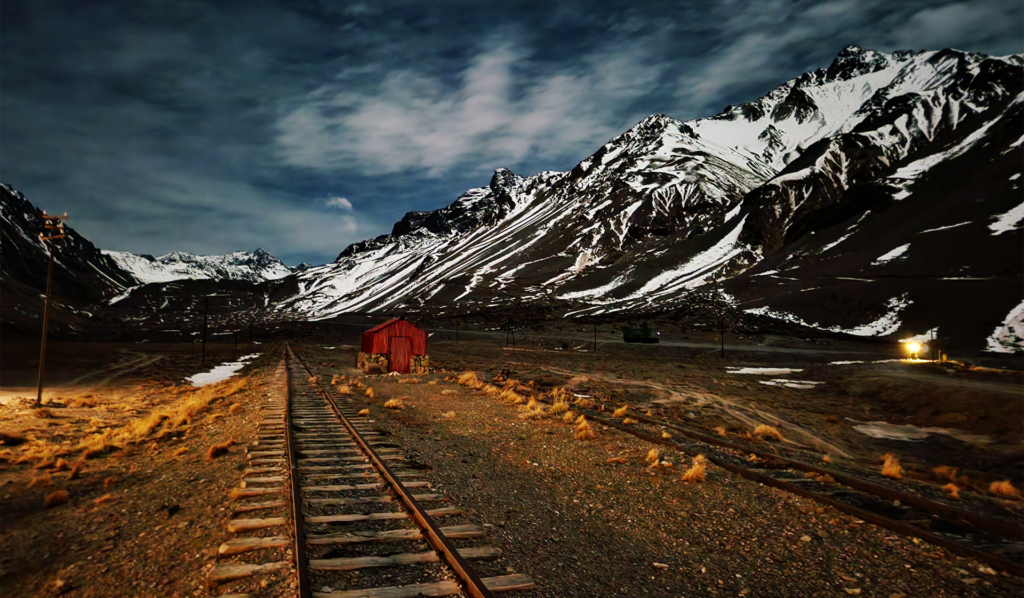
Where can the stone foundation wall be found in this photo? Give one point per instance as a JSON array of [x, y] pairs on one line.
[[377, 363]]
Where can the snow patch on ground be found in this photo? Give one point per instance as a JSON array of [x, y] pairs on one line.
[[221, 372], [1008, 337], [895, 253], [802, 384], [762, 371], [1008, 221], [935, 230], [909, 433]]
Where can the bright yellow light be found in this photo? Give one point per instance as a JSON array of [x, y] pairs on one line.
[[913, 348]]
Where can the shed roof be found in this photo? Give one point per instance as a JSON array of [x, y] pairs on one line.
[[384, 325]]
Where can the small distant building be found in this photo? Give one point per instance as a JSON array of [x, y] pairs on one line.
[[643, 334], [394, 346]]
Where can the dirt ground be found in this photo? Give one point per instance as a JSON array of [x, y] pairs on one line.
[[585, 518]]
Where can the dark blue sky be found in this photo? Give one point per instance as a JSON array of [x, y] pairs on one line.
[[303, 126]]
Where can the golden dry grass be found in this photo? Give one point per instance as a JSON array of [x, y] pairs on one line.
[[55, 498], [697, 470], [952, 490], [510, 396], [409, 381], [313, 380], [44, 413], [468, 379], [344, 389], [77, 468], [394, 404], [218, 449], [584, 430], [364, 412], [720, 430], [448, 392], [945, 472], [370, 394], [532, 413], [569, 417], [629, 421], [82, 401], [559, 407], [621, 411], [234, 408], [179, 452], [653, 455], [110, 481], [826, 459], [891, 467], [559, 394], [40, 481], [767, 433], [102, 499], [448, 415], [1004, 489]]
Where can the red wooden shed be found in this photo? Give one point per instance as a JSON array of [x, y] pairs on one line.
[[397, 345]]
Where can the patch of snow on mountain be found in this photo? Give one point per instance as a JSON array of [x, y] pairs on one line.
[[888, 257], [240, 265], [1008, 337], [883, 326], [1007, 222], [935, 230]]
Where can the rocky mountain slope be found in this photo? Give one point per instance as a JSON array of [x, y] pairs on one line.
[[830, 174]]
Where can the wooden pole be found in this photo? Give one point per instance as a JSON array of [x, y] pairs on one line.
[[206, 309], [46, 322]]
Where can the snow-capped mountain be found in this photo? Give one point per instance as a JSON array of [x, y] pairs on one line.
[[817, 168], [256, 266]]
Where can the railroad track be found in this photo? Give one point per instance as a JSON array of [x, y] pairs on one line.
[[998, 542], [343, 513]]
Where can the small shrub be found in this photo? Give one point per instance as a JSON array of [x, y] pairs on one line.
[[394, 404], [370, 394], [891, 467], [720, 430], [468, 379], [767, 433], [55, 498], [364, 412], [665, 434], [826, 459], [559, 407], [953, 490], [653, 455], [313, 380], [696, 471], [218, 449], [234, 408], [629, 421], [569, 417], [583, 430], [621, 411], [1004, 489], [344, 389]]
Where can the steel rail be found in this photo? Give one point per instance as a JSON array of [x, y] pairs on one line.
[[305, 589], [468, 578]]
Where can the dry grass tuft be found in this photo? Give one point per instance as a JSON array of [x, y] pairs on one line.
[[107, 483], [665, 435], [584, 430], [364, 412], [953, 490], [394, 404], [653, 455], [891, 467], [468, 379], [767, 433], [82, 401], [621, 411], [720, 430], [532, 413], [432, 383], [40, 481], [409, 381], [336, 378], [219, 449], [344, 389], [449, 392], [370, 394], [77, 468], [696, 472], [629, 421], [569, 417], [55, 498], [510, 396], [103, 499], [826, 459], [1004, 489], [448, 415], [44, 413], [559, 407], [234, 408], [945, 472], [180, 452], [559, 394], [313, 380]]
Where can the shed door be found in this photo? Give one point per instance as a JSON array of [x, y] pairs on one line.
[[399, 354]]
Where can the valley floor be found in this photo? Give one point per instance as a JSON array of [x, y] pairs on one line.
[[146, 510]]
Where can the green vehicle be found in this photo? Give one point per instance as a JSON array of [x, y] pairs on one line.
[[644, 334]]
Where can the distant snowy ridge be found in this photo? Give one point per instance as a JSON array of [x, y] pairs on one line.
[[257, 266]]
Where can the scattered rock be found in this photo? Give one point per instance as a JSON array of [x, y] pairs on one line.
[[805, 538]]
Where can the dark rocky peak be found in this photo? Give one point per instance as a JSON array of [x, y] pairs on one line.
[[853, 62], [302, 267], [410, 222], [797, 105], [504, 179]]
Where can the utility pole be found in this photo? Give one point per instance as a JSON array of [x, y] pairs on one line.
[[56, 225], [206, 309]]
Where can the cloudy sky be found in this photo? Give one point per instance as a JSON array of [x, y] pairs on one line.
[[303, 126]]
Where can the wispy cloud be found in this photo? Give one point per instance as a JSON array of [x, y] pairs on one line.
[[340, 203], [495, 115]]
